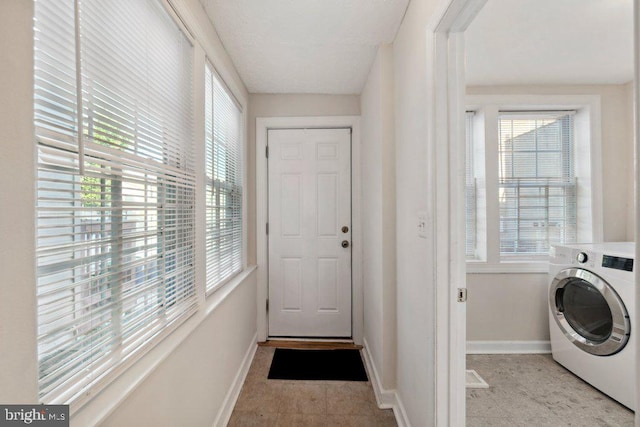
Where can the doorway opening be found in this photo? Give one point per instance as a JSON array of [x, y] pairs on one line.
[[447, 148]]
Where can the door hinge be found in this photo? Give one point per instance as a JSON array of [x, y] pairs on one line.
[[267, 228], [266, 151], [462, 294], [267, 304]]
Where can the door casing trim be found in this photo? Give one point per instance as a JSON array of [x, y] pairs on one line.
[[263, 124], [445, 158]]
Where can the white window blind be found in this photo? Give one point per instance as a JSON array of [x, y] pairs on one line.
[[223, 129], [115, 207], [470, 190], [537, 185]]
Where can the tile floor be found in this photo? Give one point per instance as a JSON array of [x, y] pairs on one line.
[[525, 390], [533, 390], [265, 402]]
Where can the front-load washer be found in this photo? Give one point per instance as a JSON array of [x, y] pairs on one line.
[[591, 309]]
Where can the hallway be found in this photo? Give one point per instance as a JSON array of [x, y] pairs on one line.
[[265, 402]]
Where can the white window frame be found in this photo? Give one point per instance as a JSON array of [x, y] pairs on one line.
[[97, 404], [471, 190], [588, 148], [210, 288]]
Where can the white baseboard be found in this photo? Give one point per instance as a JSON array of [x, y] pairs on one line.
[[508, 347], [224, 414], [386, 399], [401, 415]]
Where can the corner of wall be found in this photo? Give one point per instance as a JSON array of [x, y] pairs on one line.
[[631, 193], [18, 313]]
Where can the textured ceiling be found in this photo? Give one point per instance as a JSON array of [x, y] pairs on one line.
[[551, 42], [304, 46]]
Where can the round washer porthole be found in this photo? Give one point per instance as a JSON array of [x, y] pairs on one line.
[[589, 312]]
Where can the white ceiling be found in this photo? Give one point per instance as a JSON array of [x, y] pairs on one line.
[[551, 42], [304, 46]]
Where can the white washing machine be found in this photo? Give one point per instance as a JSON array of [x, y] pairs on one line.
[[591, 309]]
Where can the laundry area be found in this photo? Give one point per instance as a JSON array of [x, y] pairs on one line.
[[550, 314]]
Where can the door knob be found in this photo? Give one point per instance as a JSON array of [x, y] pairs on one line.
[[345, 229], [345, 243]]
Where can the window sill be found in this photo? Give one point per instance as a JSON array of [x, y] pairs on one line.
[[98, 408], [508, 267]]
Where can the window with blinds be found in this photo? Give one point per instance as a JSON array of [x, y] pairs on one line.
[[470, 191], [537, 184], [115, 188], [224, 139]]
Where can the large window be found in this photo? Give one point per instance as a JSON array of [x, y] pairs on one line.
[[537, 184], [224, 138], [532, 178], [116, 183]]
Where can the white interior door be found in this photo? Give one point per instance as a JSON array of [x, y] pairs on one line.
[[309, 232]]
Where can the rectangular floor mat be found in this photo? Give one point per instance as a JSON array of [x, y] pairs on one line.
[[336, 365]]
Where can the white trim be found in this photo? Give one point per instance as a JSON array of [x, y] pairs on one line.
[[400, 413], [101, 406], [528, 102], [199, 151], [479, 267], [386, 399], [445, 157], [313, 339], [202, 235], [588, 104], [262, 125], [177, 18], [508, 347], [636, 136], [224, 414], [214, 50]]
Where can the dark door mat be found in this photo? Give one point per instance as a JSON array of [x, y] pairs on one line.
[[333, 365]]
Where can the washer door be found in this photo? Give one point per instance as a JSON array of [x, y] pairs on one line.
[[589, 312]]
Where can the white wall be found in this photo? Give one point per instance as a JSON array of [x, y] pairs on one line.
[[507, 307], [513, 307], [187, 376], [18, 362], [378, 220], [189, 387], [283, 105], [415, 256]]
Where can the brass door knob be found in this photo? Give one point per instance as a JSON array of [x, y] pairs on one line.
[[345, 229], [345, 243]]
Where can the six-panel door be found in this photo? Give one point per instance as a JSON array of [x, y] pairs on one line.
[[309, 232]]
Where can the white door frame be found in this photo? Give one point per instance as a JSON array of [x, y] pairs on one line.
[[446, 152], [263, 124], [636, 126]]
